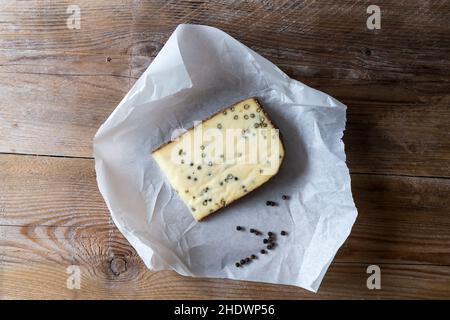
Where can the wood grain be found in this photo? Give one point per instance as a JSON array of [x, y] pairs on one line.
[[343, 281], [39, 25], [58, 85], [395, 84], [403, 223]]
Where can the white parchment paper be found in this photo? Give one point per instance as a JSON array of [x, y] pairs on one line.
[[199, 71]]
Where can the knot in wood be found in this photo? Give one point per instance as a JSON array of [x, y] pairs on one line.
[[118, 266]]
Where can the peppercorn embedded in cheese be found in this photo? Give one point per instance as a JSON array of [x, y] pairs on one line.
[[223, 158]]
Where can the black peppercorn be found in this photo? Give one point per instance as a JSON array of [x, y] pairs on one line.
[[269, 247], [265, 241], [263, 251], [285, 197], [239, 228], [242, 261], [247, 259], [252, 230], [253, 256], [270, 234], [283, 233], [238, 264]]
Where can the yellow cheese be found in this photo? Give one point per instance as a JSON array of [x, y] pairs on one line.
[[222, 158]]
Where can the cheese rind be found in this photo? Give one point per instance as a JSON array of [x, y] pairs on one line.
[[222, 159]]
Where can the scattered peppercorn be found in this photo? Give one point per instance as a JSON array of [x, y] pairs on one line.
[[253, 256], [199, 168], [247, 259], [265, 241], [283, 233], [246, 106], [235, 117], [252, 230], [238, 264], [219, 126], [195, 179], [252, 115], [242, 261], [263, 251], [189, 177], [270, 233], [246, 117], [239, 228], [285, 197], [269, 247]]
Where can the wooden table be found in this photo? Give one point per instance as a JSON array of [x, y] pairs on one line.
[[57, 85]]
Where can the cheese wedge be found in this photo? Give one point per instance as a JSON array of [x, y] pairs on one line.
[[222, 158]]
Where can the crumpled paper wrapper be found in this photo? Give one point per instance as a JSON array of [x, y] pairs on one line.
[[199, 71]]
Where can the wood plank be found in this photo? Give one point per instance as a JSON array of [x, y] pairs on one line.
[[397, 129], [128, 279], [401, 219], [322, 39], [63, 63], [55, 114], [106, 26]]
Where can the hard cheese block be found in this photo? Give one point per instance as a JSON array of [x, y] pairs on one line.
[[223, 158]]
